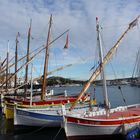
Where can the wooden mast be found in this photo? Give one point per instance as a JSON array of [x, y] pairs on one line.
[[105, 60], [16, 59], [51, 72], [7, 67], [27, 58], [32, 58], [43, 47], [44, 82]]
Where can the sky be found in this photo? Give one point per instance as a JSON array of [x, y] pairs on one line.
[[79, 17]]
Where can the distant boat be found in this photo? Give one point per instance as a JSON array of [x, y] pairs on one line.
[[106, 122]]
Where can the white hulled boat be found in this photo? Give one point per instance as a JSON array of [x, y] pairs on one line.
[[49, 116], [120, 121], [44, 100], [106, 122]]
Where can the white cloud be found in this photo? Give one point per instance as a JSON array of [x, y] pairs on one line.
[[79, 16]]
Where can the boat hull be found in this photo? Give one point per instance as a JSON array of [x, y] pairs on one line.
[[51, 116], [9, 112], [127, 118], [56, 100], [73, 130], [26, 118]]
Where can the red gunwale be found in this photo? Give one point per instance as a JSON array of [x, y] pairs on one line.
[[131, 115], [61, 99]]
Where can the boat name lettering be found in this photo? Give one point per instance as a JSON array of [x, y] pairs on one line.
[[23, 113]]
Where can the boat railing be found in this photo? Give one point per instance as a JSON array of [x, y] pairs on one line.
[[134, 105], [95, 113], [103, 112], [120, 108]]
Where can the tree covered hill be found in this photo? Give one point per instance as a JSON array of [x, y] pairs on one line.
[[55, 80]]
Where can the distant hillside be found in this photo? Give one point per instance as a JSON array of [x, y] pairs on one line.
[[55, 80]]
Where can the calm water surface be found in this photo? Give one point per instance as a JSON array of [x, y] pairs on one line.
[[129, 93], [116, 98]]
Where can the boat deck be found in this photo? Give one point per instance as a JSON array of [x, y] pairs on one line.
[[120, 112]]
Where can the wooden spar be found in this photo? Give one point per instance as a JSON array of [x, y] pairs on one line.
[[21, 59], [2, 74], [7, 67], [3, 61], [31, 59], [4, 66], [41, 49], [1, 67], [58, 69], [13, 89], [105, 60], [16, 58], [51, 72], [27, 58], [44, 82], [31, 89]]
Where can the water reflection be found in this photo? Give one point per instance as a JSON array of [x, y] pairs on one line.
[[6, 126], [10, 132]]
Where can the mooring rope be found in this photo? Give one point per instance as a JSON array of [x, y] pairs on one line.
[[37, 130], [57, 133], [119, 87]]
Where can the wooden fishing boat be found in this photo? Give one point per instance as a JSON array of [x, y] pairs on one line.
[[51, 116], [119, 120], [53, 101], [43, 101]]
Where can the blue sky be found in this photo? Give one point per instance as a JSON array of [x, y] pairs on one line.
[[78, 16]]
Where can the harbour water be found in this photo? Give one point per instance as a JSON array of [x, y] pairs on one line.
[[125, 96]]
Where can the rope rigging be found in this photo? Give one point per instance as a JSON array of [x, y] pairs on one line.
[[138, 55], [119, 87], [108, 56]]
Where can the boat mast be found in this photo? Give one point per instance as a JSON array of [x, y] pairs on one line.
[[40, 49], [16, 58], [138, 68], [44, 82], [51, 72], [31, 59], [105, 60], [31, 94], [7, 67], [27, 59], [99, 43]]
